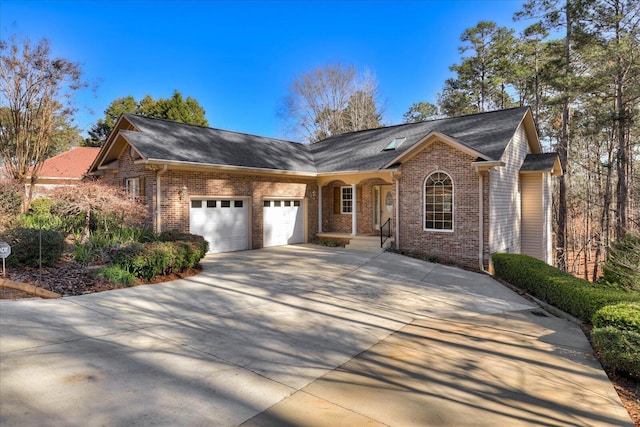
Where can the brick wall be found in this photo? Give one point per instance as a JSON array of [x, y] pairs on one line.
[[128, 169], [192, 184], [175, 211], [461, 245], [341, 223]]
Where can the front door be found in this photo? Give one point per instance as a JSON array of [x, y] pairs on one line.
[[383, 204]]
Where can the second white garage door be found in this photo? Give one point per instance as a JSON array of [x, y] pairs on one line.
[[283, 222], [223, 223]]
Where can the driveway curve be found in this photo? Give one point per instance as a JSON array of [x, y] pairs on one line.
[[301, 336]]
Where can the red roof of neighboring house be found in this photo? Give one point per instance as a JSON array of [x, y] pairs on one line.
[[70, 164]]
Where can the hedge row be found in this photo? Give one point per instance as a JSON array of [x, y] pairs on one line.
[[25, 247], [616, 335], [560, 289], [619, 349], [614, 314], [148, 260]]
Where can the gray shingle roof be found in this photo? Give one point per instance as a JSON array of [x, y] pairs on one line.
[[539, 162], [172, 141], [487, 133]]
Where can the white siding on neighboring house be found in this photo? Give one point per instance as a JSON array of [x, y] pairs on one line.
[[547, 210], [532, 232], [504, 204]]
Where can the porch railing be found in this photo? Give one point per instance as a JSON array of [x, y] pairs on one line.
[[384, 236]]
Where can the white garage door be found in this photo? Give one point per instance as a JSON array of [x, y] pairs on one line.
[[223, 223], [283, 222]]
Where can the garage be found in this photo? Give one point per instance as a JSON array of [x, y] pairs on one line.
[[283, 222], [224, 223]]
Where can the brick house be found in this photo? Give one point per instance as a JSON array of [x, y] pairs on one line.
[[65, 169], [457, 188]]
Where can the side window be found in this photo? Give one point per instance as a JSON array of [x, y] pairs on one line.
[[134, 187], [346, 200], [438, 202]]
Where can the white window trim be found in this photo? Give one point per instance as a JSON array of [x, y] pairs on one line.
[[342, 199], [132, 187], [424, 204]]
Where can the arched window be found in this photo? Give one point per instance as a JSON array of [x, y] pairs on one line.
[[438, 202]]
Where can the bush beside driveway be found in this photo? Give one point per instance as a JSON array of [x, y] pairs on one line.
[[300, 333]]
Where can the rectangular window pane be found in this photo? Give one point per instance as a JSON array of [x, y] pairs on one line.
[[211, 203], [225, 204], [296, 203], [266, 203], [237, 204], [287, 202], [196, 203], [347, 199], [277, 203]]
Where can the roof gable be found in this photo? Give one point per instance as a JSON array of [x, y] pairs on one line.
[[486, 134]]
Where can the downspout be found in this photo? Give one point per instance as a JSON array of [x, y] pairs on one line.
[[158, 195], [481, 224], [397, 232], [319, 208]]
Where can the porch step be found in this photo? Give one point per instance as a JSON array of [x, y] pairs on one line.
[[368, 243]]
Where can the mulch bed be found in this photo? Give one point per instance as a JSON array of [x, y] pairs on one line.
[[71, 278]]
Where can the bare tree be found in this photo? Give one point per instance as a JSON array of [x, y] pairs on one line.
[[331, 100], [35, 92]]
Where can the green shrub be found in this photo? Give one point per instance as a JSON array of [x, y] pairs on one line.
[[39, 215], [623, 316], [623, 263], [201, 245], [178, 236], [117, 275], [619, 349], [571, 294], [148, 260], [25, 247]]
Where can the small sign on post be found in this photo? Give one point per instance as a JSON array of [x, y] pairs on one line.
[[5, 251]]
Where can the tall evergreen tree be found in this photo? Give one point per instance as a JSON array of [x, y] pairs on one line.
[[175, 108]]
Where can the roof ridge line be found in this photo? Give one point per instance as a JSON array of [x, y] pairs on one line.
[[420, 122]]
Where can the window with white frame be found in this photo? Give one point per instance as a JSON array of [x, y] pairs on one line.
[[438, 202], [346, 200], [133, 188]]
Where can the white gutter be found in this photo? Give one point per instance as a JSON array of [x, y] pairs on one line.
[[319, 208], [481, 224], [243, 169], [158, 195], [397, 232]]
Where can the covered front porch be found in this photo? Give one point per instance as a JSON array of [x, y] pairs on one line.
[[358, 207]]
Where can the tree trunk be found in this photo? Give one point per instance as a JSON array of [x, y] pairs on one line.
[[561, 236]]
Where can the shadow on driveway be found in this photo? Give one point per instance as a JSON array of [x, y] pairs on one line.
[[300, 336]]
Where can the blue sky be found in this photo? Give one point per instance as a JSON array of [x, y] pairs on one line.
[[238, 58]]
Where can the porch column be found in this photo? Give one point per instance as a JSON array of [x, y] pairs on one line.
[[319, 208], [397, 213], [354, 211]]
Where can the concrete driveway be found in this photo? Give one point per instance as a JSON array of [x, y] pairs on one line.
[[300, 336]]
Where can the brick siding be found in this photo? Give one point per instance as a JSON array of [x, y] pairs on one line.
[[460, 246], [174, 208]]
